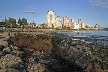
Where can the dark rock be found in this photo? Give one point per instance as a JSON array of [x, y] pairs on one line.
[[2, 47]]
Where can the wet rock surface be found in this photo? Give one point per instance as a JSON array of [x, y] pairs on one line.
[[3, 42], [43, 53], [9, 70], [9, 61], [32, 67], [93, 56]]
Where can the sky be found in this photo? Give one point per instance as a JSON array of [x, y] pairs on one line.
[[90, 11]]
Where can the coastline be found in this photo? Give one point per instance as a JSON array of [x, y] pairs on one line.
[[53, 51], [41, 31]]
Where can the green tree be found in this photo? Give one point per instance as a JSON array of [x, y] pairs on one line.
[[20, 21], [43, 26], [10, 22], [14, 23], [24, 21], [86, 26], [68, 28], [64, 27], [5, 21]]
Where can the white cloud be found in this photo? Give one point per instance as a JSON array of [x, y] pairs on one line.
[[30, 12], [32, 7], [100, 3], [97, 14]]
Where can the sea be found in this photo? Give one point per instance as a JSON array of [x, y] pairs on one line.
[[100, 37]]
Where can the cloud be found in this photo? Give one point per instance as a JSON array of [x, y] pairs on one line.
[[30, 12], [97, 14], [100, 3], [32, 7]]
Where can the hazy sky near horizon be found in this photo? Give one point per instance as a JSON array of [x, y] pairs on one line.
[[90, 11]]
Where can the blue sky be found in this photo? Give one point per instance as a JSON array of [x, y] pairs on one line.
[[90, 11]]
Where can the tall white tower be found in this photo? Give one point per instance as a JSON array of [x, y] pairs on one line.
[[51, 18]]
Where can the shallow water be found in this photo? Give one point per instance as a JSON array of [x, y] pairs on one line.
[[97, 36]]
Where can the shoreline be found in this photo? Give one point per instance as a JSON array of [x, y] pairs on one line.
[[44, 30], [32, 48]]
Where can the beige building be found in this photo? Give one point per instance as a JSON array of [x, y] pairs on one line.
[[58, 22], [51, 19], [67, 22], [83, 25]]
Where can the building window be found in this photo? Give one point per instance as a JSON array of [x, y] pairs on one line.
[[50, 16]]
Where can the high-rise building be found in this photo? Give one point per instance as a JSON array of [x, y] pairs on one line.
[[72, 21], [79, 22], [51, 19], [67, 22], [58, 22]]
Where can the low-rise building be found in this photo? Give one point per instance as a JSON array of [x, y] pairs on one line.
[[2, 24], [97, 26], [76, 26], [83, 25]]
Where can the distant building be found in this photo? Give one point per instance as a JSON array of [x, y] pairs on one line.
[[58, 22], [79, 22], [2, 24], [83, 25], [67, 22], [51, 19], [76, 26], [32, 25], [72, 21], [97, 26]]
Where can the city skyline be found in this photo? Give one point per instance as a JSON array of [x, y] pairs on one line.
[[90, 11]]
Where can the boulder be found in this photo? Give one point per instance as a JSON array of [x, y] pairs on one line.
[[2, 47], [7, 50], [3, 42], [32, 67], [8, 70], [1, 53], [9, 60], [5, 34], [17, 53], [14, 48], [12, 34]]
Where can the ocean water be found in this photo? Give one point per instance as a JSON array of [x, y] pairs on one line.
[[99, 36], [87, 33]]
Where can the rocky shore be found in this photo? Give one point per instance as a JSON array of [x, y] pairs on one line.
[[50, 53]]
